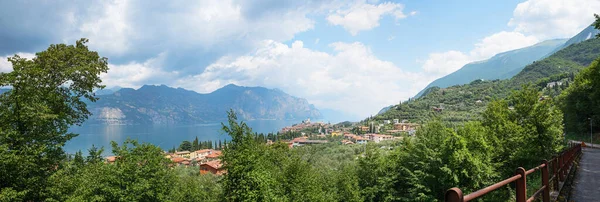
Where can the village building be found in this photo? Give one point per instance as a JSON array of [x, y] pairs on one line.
[[379, 137], [299, 141], [363, 128], [179, 161], [183, 154], [360, 140], [336, 133], [200, 154], [214, 167], [111, 159], [405, 127]]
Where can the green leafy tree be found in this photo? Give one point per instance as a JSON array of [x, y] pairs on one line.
[[369, 170], [185, 146], [140, 173], [94, 155], [596, 23], [47, 97], [581, 100], [247, 178]]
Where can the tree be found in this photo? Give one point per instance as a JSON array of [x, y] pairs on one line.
[[185, 146], [370, 172], [247, 178], [596, 23], [195, 145], [47, 97], [140, 173], [581, 100], [94, 155]]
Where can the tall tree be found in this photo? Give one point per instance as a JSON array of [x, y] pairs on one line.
[[247, 178], [195, 145], [47, 97], [597, 23]]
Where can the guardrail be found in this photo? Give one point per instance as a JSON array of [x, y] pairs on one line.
[[560, 169]]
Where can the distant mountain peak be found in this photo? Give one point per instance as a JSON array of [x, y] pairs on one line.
[[231, 85]]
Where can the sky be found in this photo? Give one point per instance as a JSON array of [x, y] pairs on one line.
[[352, 56]]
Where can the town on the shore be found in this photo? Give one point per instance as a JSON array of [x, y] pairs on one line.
[[304, 133]]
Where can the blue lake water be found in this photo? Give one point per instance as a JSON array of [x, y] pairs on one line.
[[165, 136]]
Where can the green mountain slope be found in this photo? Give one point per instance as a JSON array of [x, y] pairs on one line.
[[166, 105], [465, 102], [501, 66]]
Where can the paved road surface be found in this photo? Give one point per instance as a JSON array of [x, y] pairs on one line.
[[586, 186]]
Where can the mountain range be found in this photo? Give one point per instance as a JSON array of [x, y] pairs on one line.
[[165, 105]]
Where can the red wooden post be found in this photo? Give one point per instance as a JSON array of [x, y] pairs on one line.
[[554, 166], [521, 187], [454, 195], [560, 167], [546, 194]]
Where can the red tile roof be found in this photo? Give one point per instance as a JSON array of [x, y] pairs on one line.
[[214, 154], [216, 164], [177, 159], [111, 158], [203, 151]]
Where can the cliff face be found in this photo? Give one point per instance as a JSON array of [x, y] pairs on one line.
[[165, 105]]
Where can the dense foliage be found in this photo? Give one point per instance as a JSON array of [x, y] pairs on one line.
[[580, 101], [47, 97]]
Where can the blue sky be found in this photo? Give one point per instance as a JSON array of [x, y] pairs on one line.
[[352, 56]]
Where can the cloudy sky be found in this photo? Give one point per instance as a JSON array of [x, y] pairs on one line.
[[351, 56]]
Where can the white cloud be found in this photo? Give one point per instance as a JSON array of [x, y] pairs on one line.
[[107, 26], [363, 16], [548, 19], [500, 42], [134, 74], [447, 62], [6, 66], [130, 27], [533, 21], [351, 79]]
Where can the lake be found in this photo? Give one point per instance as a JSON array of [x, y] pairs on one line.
[[165, 136]]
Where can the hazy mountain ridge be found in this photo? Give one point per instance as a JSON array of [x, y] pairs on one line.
[[166, 105]]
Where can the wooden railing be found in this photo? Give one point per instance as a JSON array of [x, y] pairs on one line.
[[560, 169]]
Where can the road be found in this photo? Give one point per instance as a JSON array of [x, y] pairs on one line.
[[586, 186]]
